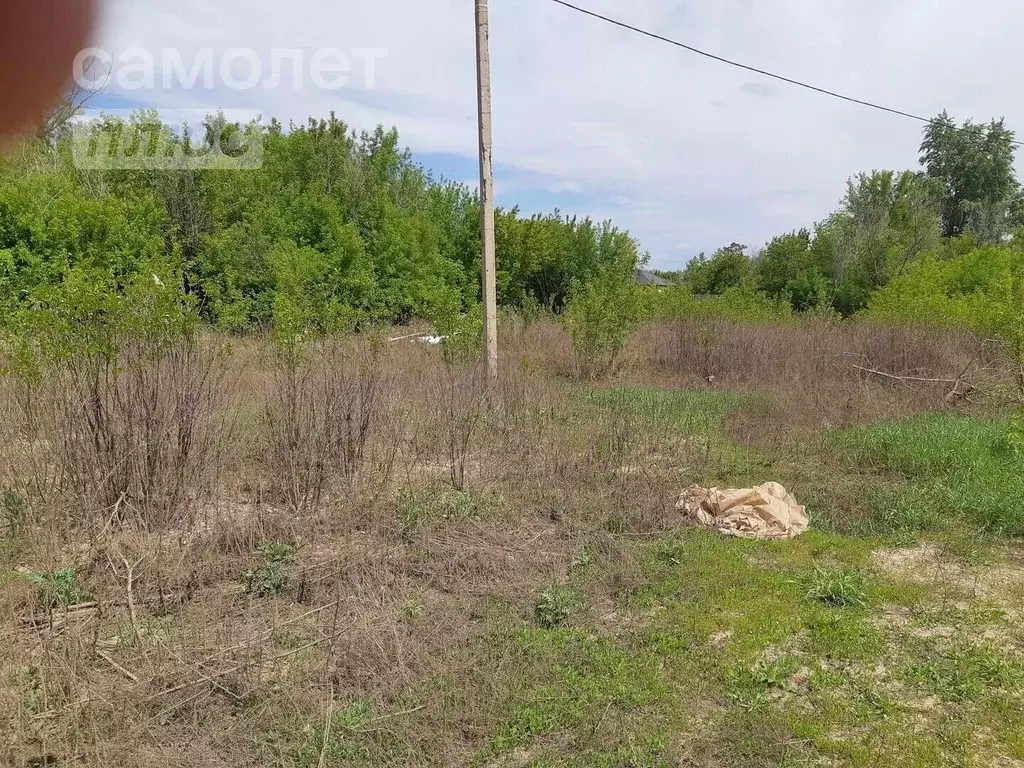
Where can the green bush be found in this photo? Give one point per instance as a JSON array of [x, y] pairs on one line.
[[462, 330], [59, 589], [742, 303], [555, 606], [276, 573], [602, 314], [981, 289]]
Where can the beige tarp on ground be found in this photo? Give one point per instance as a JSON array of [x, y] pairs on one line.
[[766, 512]]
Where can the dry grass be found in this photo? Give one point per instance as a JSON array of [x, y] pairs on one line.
[[426, 510], [824, 374]]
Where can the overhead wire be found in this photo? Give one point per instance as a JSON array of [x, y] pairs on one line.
[[758, 70]]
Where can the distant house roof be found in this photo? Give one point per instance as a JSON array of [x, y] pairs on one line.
[[646, 277]]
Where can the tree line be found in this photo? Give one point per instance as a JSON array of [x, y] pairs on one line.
[[338, 229], [963, 206], [335, 230]]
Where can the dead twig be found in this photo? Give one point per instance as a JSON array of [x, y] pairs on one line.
[[54, 620], [238, 667], [178, 705], [115, 513], [327, 725], [131, 597], [266, 635], [959, 389], [904, 379], [118, 667], [403, 713], [202, 677]]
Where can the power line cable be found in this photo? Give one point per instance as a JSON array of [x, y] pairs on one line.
[[756, 70]]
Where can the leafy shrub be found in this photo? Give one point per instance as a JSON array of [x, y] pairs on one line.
[[276, 573], [58, 589], [555, 606], [981, 289], [844, 588], [462, 331], [601, 315]]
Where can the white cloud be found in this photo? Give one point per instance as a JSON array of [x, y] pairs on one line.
[[686, 152]]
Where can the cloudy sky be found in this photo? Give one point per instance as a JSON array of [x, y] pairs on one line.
[[687, 153]]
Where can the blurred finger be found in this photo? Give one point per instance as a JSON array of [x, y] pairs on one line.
[[38, 43]]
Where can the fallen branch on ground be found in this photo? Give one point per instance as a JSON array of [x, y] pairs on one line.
[[959, 388], [117, 666], [905, 379]]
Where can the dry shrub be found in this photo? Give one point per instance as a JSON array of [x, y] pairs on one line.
[[464, 394], [542, 346], [439, 407], [322, 410], [28, 472], [136, 438], [825, 372]]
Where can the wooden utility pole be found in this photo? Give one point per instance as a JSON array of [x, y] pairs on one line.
[[490, 291]]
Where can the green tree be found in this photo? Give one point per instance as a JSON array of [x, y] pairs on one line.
[[340, 222], [973, 163], [886, 221], [789, 268], [727, 268]]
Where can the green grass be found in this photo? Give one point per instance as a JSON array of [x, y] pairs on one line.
[[940, 468], [962, 671], [929, 445], [723, 652], [696, 413], [843, 588], [418, 507], [575, 682], [684, 429]]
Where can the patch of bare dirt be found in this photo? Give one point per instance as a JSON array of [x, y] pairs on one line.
[[1000, 583]]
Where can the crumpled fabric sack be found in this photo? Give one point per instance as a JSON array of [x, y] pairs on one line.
[[766, 512]]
